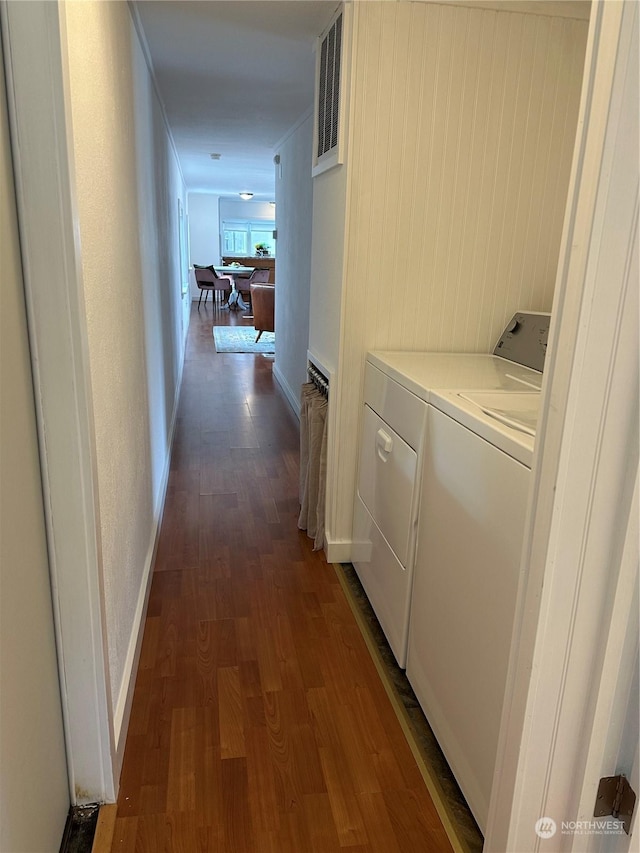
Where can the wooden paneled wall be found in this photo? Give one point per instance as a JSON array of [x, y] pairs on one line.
[[461, 130]]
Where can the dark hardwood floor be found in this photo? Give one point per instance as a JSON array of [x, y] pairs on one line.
[[259, 722]]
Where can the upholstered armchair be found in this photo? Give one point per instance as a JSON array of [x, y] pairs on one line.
[[243, 285], [263, 302], [208, 279]]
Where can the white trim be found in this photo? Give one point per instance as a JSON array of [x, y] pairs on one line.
[[292, 399], [38, 99], [337, 550], [583, 469], [322, 366], [144, 46], [576, 9], [122, 711], [619, 661], [307, 114]]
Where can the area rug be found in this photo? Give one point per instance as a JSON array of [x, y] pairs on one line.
[[242, 339]]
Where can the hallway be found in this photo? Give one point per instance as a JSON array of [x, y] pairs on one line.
[[259, 722]]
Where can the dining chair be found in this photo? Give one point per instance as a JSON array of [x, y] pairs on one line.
[[208, 280], [243, 285]]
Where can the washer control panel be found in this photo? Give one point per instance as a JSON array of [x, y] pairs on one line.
[[524, 339]]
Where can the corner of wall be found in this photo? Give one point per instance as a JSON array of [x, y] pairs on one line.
[[292, 398]]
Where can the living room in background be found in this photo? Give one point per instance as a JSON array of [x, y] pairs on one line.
[[246, 226]]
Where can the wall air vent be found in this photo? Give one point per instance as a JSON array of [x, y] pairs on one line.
[[328, 101]]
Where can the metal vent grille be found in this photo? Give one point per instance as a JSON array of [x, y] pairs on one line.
[[329, 88]]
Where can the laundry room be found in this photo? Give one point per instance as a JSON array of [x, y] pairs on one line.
[[431, 314], [458, 124]]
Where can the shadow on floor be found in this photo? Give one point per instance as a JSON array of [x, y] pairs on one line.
[[416, 726]]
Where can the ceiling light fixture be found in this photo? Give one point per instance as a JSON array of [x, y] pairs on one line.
[[246, 196], [215, 156]]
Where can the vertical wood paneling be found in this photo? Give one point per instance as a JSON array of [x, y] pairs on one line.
[[461, 137], [489, 80], [419, 227]]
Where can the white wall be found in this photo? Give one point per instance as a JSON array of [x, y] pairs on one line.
[[327, 264], [33, 767], [128, 186], [458, 167], [294, 205], [231, 209], [204, 233]]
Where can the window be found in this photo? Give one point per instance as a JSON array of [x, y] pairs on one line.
[[240, 238], [235, 240]]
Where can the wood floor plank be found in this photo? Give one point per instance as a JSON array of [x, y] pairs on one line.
[[232, 743], [153, 799], [209, 806], [307, 759], [259, 722], [125, 835], [151, 833], [181, 786], [246, 639], [382, 837], [131, 779], [412, 828], [288, 787], [319, 819], [179, 833], [238, 830], [261, 781], [105, 828], [358, 758], [345, 810]]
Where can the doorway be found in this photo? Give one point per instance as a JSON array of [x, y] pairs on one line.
[[33, 766]]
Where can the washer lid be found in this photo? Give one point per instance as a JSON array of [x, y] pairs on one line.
[[498, 417], [516, 410]]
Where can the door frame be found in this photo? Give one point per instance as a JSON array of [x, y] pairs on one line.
[[583, 474], [34, 48]]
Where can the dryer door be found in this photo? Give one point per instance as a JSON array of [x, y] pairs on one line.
[[386, 482]]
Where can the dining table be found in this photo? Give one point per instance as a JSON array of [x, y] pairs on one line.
[[235, 301]]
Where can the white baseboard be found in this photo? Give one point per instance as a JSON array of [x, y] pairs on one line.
[[292, 397], [337, 550], [122, 711]]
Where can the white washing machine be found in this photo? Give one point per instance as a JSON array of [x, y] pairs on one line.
[[398, 390], [474, 492]]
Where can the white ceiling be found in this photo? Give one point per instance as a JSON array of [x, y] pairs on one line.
[[234, 77]]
